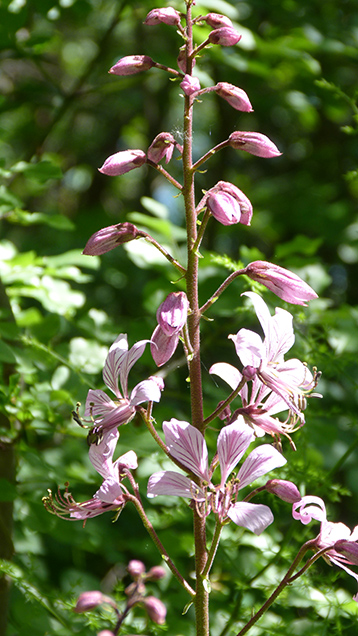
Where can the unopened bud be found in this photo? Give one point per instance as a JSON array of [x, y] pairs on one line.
[[282, 282], [173, 312], [90, 600], [156, 610], [285, 490], [227, 203], [190, 85], [225, 36], [236, 97], [105, 632], [217, 20], [254, 143], [131, 64], [349, 549], [110, 237], [135, 568], [156, 573], [162, 146], [181, 61], [249, 372], [165, 15], [122, 162]]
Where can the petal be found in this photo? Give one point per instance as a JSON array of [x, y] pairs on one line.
[[249, 347], [254, 517], [162, 345], [262, 311], [112, 366], [304, 512], [168, 482], [146, 391], [109, 491], [282, 337], [233, 441], [188, 446], [101, 455], [121, 415], [98, 404], [128, 361], [128, 460], [228, 373], [260, 461]]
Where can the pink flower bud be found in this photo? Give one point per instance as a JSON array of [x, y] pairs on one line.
[[105, 632], [285, 490], [236, 97], [88, 601], [226, 36], [173, 312], [123, 162], [132, 64], [162, 346], [281, 282], [227, 203], [135, 568], [249, 372], [254, 143], [181, 61], [156, 609], [161, 146], [166, 15], [217, 20], [110, 237], [190, 85], [156, 573]]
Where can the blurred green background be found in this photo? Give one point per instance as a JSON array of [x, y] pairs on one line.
[[61, 116]]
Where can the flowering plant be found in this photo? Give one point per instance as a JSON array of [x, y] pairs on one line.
[[267, 384]]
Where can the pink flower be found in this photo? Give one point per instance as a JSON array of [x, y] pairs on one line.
[[190, 85], [132, 64], [226, 36], [165, 15], [285, 490], [227, 203], [156, 610], [254, 143], [107, 413], [343, 542], [236, 97], [110, 237], [161, 146], [122, 162], [187, 445]]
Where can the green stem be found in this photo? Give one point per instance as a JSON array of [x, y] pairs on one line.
[[224, 404], [213, 548], [210, 153], [153, 535], [166, 254], [221, 289]]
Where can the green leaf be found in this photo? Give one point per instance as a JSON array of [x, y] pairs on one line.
[[22, 217], [42, 171], [6, 353]]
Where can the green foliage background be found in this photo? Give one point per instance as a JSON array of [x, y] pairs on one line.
[[61, 115]]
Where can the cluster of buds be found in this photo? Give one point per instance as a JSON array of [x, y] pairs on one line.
[[136, 595]]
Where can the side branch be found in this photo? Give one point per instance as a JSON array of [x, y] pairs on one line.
[[221, 289]]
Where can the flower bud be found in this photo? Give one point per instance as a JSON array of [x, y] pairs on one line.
[[88, 601], [110, 237], [190, 85], [254, 143], [227, 203], [173, 312], [123, 162], [131, 64], [161, 146], [281, 282], [162, 346], [249, 372], [285, 490], [156, 609], [217, 20], [236, 97], [165, 15], [226, 36], [105, 632], [156, 573], [135, 568]]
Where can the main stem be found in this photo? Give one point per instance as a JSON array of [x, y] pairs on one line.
[[201, 601]]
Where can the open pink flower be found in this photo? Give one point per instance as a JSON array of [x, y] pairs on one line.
[[107, 413], [110, 496], [337, 535], [187, 445]]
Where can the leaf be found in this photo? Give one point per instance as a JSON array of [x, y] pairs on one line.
[[22, 217], [42, 171], [7, 490], [6, 353]]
